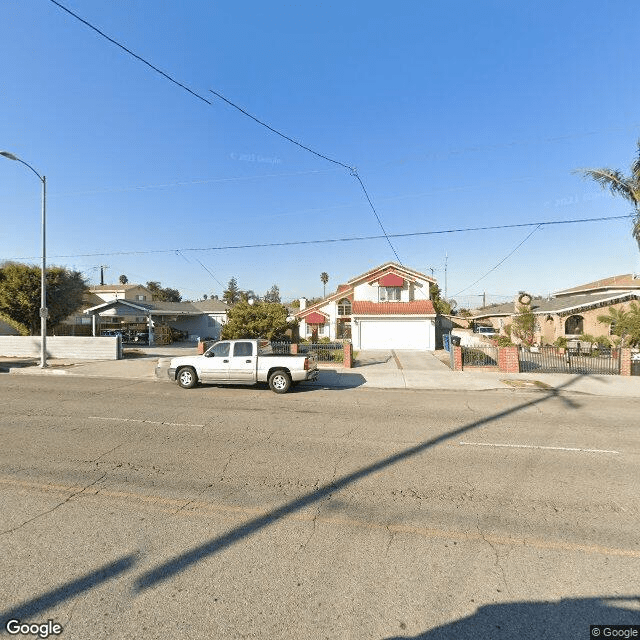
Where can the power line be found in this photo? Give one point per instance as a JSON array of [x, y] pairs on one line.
[[336, 240], [499, 263], [131, 53], [353, 170]]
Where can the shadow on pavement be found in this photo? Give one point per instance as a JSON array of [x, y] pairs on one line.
[[183, 561], [54, 597], [567, 618]]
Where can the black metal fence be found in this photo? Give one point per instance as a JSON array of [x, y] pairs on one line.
[[552, 360], [479, 356], [321, 351]]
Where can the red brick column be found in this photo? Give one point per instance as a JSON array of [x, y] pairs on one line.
[[294, 348], [625, 362], [457, 358], [347, 361], [508, 360]]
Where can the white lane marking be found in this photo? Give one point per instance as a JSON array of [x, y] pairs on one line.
[[533, 446], [167, 424]]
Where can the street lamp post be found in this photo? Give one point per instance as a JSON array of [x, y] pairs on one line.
[[44, 312]]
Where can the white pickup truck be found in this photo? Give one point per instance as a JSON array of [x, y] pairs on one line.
[[243, 362]]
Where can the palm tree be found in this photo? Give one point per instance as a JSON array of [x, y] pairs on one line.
[[624, 323], [620, 185], [324, 278]]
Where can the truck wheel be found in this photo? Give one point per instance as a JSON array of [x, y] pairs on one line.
[[187, 377], [279, 382]]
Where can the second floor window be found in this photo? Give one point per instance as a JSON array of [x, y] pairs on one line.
[[389, 294], [344, 307]]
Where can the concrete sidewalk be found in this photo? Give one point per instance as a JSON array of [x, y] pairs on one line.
[[383, 370]]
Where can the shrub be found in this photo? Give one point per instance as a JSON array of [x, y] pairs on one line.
[[504, 341], [338, 356], [561, 342]]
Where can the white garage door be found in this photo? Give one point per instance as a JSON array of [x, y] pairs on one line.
[[395, 334]]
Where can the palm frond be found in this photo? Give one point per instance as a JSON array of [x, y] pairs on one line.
[[616, 182], [635, 169]]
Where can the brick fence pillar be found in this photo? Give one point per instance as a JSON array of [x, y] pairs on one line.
[[293, 348], [347, 361], [508, 360], [625, 362], [457, 358]]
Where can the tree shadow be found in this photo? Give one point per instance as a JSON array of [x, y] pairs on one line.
[[50, 599], [566, 618], [184, 560]]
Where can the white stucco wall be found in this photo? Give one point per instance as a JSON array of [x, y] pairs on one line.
[[82, 348]]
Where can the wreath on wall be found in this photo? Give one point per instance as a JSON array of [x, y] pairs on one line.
[[524, 298]]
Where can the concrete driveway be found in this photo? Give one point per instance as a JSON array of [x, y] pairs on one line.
[[400, 360]]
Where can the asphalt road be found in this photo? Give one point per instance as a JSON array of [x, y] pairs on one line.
[[141, 510]]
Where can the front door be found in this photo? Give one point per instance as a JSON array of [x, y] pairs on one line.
[[242, 364], [215, 363]]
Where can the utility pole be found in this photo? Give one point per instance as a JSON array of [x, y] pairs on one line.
[[102, 268], [484, 299]]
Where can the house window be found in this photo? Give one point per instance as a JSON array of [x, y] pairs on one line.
[[344, 307], [389, 294], [210, 322], [574, 325], [141, 298], [83, 320]]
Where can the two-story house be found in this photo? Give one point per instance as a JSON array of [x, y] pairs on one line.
[[388, 307]]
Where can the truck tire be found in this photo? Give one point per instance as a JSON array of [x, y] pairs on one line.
[[279, 381], [187, 377]]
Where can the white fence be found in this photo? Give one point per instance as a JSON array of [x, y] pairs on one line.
[[82, 348]]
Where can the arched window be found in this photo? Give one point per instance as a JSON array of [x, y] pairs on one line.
[[574, 325], [344, 307]]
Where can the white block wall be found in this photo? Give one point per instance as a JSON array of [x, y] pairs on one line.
[[82, 348]]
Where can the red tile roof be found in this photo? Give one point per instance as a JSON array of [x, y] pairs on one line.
[[417, 307]]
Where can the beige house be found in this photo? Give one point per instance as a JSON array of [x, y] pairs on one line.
[[568, 313]]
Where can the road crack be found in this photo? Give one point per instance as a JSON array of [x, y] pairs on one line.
[[497, 563], [60, 504]]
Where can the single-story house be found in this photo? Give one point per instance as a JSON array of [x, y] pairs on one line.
[[568, 313], [388, 307], [201, 319]]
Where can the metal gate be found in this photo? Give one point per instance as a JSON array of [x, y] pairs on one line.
[[552, 360], [479, 356]]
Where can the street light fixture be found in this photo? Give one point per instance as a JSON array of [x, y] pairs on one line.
[[44, 312]]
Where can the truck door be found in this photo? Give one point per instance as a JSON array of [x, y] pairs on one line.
[[215, 364], [243, 363]]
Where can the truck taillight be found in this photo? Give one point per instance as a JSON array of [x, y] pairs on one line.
[[306, 364]]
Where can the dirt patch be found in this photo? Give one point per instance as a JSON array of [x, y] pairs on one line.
[[527, 384]]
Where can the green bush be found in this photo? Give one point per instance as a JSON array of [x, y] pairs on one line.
[[338, 356], [587, 337], [504, 341], [561, 342]]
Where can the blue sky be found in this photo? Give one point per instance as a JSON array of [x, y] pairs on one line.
[[456, 115]]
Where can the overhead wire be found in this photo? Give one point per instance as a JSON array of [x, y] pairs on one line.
[[289, 243], [167, 76], [499, 263]]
